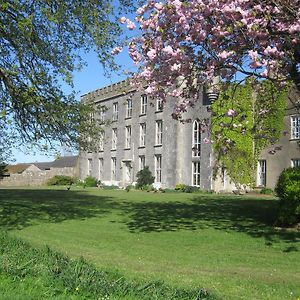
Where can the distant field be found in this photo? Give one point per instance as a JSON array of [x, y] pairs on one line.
[[226, 244]]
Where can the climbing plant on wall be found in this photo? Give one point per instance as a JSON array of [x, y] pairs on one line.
[[242, 126]]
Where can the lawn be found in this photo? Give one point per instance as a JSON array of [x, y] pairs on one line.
[[226, 244]]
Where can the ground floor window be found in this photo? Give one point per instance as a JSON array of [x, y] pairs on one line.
[[295, 163], [113, 168], [262, 173], [142, 162], [196, 173], [90, 162], [100, 166], [158, 168]]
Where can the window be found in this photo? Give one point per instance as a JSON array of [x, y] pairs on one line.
[[129, 108], [113, 168], [115, 111], [196, 139], [101, 140], [142, 161], [114, 139], [102, 114], [143, 104], [295, 163], [90, 167], [100, 168], [142, 134], [158, 168], [159, 126], [261, 173], [127, 137], [196, 173], [159, 105], [295, 127]]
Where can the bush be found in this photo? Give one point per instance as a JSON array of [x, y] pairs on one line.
[[266, 191], [180, 187], [90, 181], [144, 177], [61, 180], [110, 187], [288, 190], [190, 189]]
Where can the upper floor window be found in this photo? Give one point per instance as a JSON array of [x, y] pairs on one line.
[[114, 138], [129, 108], [102, 114], [159, 128], [295, 163], [159, 104], [196, 139], [113, 168], [295, 127], [262, 173], [143, 104], [142, 134], [101, 140], [128, 137], [115, 111]]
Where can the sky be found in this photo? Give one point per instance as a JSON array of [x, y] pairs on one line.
[[88, 79]]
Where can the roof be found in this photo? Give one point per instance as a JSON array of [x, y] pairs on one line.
[[65, 161], [18, 168]]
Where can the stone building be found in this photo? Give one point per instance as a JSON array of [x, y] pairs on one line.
[[142, 132]]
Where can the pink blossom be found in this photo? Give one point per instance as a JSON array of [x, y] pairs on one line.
[[158, 6], [206, 141], [151, 54], [168, 50], [123, 20], [225, 54], [175, 67], [130, 25], [230, 112], [116, 50]]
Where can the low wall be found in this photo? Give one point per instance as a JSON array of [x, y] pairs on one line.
[[35, 178]]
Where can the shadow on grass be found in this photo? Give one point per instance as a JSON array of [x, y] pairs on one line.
[[24, 207], [255, 217]]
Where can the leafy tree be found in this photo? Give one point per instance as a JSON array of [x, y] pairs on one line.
[[144, 177], [184, 43], [41, 45]]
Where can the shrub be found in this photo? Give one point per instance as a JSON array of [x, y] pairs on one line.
[[144, 177], [90, 181], [266, 191], [61, 180], [180, 187], [110, 187], [288, 190]]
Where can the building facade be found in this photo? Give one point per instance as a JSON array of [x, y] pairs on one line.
[[143, 133]]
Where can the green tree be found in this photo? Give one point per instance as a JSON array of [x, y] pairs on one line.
[[242, 125], [42, 43], [144, 177]]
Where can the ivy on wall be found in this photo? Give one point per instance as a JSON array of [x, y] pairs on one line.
[[242, 125]]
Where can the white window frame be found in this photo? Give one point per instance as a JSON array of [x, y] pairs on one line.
[[128, 137], [159, 104], [295, 127], [143, 129], [115, 111], [113, 168], [159, 132], [102, 114], [196, 175], [144, 100], [142, 162], [295, 163], [100, 168], [158, 167], [114, 139], [101, 141], [196, 143], [261, 172], [129, 108], [90, 163]]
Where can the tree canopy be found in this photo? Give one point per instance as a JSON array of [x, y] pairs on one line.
[[184, 43], [41, 45]]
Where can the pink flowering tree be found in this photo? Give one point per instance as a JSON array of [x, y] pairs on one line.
[[188, 43]]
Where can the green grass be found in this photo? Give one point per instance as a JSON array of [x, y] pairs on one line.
[[226, 244]]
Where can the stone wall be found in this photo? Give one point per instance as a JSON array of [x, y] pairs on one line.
[[37, 177]]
